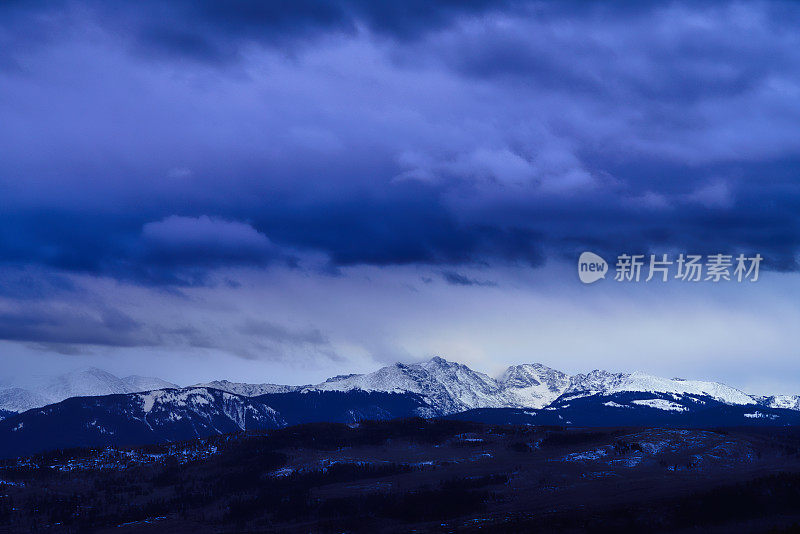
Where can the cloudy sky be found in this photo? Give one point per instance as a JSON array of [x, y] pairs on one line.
[[281, 191]]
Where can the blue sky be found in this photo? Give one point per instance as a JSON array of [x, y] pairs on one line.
[[279, 191]]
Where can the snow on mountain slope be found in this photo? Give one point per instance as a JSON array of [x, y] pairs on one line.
[[788, 402], [533, 385], [593, 383], [720, 392], [87, 383], [660, 404], [451, 387], [447, 386], [133, 419], [168, 405], [19, 399], [90, 382], [605, 383], [248, 390]]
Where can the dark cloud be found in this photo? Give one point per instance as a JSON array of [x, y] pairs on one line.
[[72, 326], [281, 335], [216, 30], [32, 283], [203, 240], [411, 225], [55, 326], [445, 133], [173, 250], [266, 339], [458, 279]]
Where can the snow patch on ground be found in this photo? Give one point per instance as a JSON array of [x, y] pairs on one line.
[[759, 415], [586, 455], [661, 404]]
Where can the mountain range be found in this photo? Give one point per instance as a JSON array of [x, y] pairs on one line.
[[99, 409], [450, 387], [90, 382], [447, 387]]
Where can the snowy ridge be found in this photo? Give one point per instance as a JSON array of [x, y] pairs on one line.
[[787, 402], [134, 418], [605, 383], [451, 387], [90, 382], [248, 390], [170, 405], [447, 386], [715, 390], [594, 383], [533, 385], [19, 399], [523, 394]]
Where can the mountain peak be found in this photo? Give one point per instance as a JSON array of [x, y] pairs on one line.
[[94, 372], [88, 382], [447, 386], [534, 384], [530, 370]]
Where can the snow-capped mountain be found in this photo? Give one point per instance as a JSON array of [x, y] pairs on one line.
[[90, 382], [138, 418], [19, 399], [523, 394], [452, 387], [593, 383], [789, 402], [184, 414], [166, 406], [93, 382], [444, 388], [533, 385], [605, 383], [447, 387]]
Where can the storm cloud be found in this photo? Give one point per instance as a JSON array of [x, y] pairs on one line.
[[171, 145], [438, 133]]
